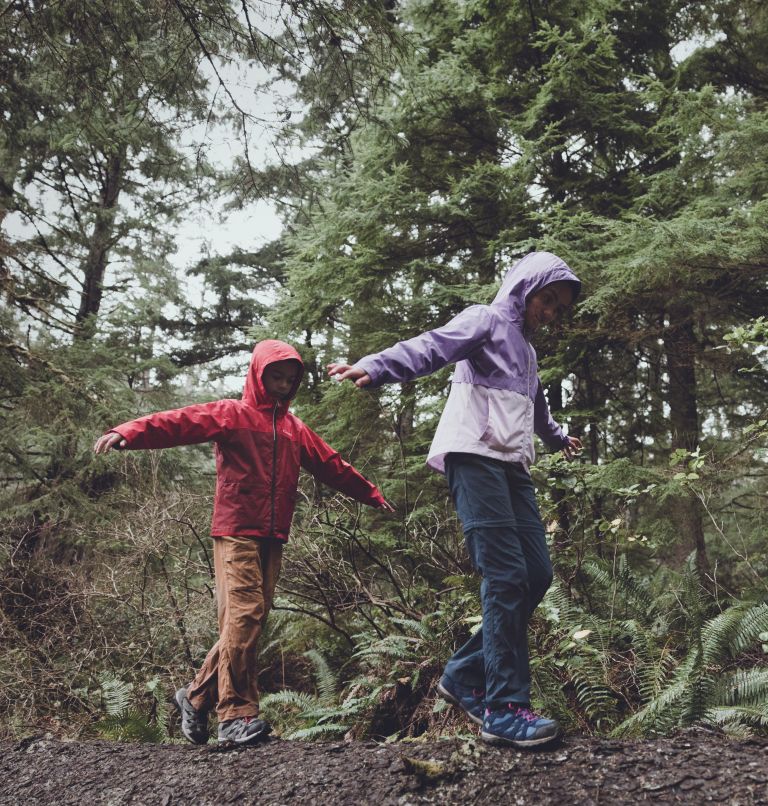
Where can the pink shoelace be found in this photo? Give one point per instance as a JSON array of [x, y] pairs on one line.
[[525, 713]]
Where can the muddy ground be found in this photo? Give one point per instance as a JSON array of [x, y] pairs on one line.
[[697, 766]]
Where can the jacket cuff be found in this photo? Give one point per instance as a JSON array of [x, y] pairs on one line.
[[369, 366], [554, 441], [125, 436], [377, 499]]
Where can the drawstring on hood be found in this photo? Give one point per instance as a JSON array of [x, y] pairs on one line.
[[265, 353], [529, 275]]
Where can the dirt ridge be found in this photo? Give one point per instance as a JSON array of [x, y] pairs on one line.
[[697, 766]]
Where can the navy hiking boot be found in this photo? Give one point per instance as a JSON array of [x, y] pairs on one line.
[[194, 723], [519, 726], [245, 730], [469, 699]]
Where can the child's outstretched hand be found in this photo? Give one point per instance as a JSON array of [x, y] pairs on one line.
[[573, 448], [109, 441], [344, 371], [386, 506]]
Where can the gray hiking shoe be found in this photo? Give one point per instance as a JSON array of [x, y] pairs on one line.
[[194, 723], [245, 730]]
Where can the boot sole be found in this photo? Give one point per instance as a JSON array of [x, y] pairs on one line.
[[492, 738], [448, 697]]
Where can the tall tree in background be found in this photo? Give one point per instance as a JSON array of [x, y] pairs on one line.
[[101, 96], [593, 130], [102, 151]]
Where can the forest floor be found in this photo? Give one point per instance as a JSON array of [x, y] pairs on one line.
[[697, 766]]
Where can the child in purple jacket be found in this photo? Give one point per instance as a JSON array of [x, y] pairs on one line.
[[484, 445]]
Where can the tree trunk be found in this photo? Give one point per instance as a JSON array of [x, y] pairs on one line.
[[95, 263], [680, 347], [10, 161]]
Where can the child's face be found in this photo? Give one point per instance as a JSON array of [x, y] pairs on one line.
[[279, 378], [547, 305]]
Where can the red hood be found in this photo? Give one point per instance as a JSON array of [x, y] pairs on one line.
[[264, 353]]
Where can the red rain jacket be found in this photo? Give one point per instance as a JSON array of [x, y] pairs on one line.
[[259, 446]]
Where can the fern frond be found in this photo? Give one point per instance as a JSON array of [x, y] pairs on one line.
[[718, 634], [327, 682], [161, 716], [319, 731], [653, 664], [699, 696], [744, 687], [621, 589], [593, 695], [754, 622], [665, 710], [289, 699], [739, 721], [418, 628], [396, 646], [116, 694], [130, 726]]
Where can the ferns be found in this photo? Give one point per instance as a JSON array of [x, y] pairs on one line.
[[578, 662], [702, 690], [327, 682], [751, 626], [116, 694], [623, 661], [307, 716], [319, 731], [296, 700], [124, 721]]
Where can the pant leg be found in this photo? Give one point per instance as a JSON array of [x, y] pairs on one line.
[[203, 691], [531, 533], [247, 570], [484, 502]]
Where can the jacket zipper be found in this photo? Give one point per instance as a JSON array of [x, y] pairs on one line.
[[274, 470], [528, 368], [528, 376]]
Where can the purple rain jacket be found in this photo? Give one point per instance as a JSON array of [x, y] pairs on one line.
[[496, 402]]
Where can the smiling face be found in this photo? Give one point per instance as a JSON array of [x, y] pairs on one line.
[[279, 378], [547, 305]]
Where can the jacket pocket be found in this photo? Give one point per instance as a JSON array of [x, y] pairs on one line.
[[509, 422], [251, 506]]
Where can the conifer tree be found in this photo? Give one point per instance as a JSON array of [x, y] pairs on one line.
[[590, 129]]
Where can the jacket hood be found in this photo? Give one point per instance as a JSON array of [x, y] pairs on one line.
[[265, 353], [529, 275]]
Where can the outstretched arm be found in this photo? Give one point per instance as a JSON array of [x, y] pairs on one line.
[[165, 429], [422, 354], [326, 465]]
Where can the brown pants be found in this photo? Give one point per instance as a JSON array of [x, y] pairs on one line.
[[246, 574]]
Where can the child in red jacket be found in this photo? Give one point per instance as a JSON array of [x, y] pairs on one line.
[[259, 447]]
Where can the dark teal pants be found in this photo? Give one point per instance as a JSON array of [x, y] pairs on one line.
[[505, 538]]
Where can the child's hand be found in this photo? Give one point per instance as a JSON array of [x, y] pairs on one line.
[[386, 506], [573, 448], [108, 442], [344, 371]]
